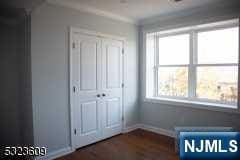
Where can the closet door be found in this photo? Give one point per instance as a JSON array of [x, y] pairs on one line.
[[111, 87], [86, 83]]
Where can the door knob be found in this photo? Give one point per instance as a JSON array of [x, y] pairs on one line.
[[103, 94], [98, 95]]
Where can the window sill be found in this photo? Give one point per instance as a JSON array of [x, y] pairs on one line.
[[194, 104]]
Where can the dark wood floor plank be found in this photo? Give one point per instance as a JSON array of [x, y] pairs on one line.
[[135, 145]]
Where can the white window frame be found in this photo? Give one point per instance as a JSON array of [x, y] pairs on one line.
[[191, 100]]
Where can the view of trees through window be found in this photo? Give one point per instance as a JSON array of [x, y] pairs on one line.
[[215, 68], [217, 83], [212, 83], [173, 81]]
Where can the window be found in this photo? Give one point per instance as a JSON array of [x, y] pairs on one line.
[[217, 65], [198, 63], [173, 65]]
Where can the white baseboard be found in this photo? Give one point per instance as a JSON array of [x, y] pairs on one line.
[[161, 131], [150, 128], [131, 128], [55, 154]]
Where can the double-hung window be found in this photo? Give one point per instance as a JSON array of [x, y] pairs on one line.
[[195, 64]]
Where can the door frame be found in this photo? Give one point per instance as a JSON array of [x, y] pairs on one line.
[[71, 31]]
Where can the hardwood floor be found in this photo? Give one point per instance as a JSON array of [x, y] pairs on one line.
[[135, 145]]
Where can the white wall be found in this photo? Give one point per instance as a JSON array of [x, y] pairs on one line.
[[167, 116], [49, 56]]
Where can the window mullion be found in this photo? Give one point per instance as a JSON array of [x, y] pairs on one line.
[[192, 67], [195, 62], [156, 45]]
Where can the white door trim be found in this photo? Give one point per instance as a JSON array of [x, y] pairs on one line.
[[102, 35]]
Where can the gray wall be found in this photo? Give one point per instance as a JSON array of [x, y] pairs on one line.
[[49, 56], [15, 95], [167, 116], [25, 102], [9, 92]]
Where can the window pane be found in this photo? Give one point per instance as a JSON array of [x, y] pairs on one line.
[[174, 50], [173, 81], [217, 83], [219, 46]]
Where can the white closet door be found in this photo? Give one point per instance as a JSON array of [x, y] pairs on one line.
[[86, 81], [111, 87], [97, 88]]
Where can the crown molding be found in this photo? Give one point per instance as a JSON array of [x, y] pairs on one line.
[[225, 6], [85, 8]]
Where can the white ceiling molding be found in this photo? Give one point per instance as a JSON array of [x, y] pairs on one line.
[[141, 12], [226, 6], [85, 8]]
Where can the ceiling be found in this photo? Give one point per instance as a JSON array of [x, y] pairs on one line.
[[134, 10]]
